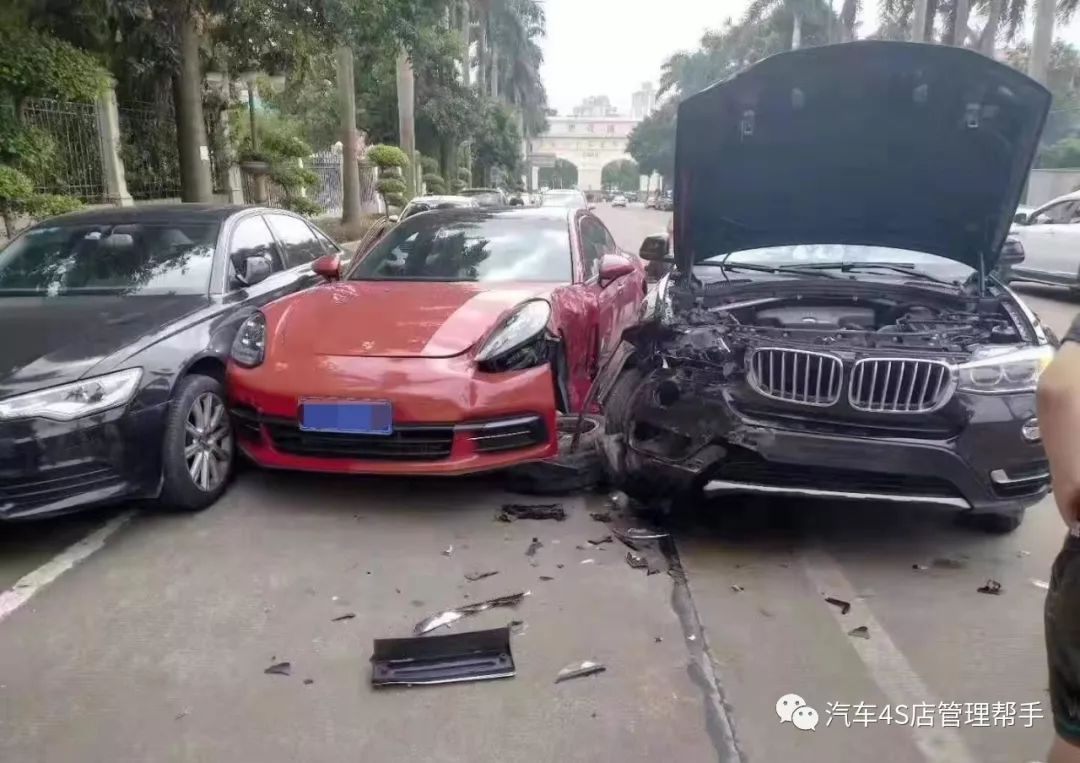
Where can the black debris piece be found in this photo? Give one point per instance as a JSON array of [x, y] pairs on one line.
[[517, 627], [559, 566], [472, 577], [309, 681], [844, 606], [949, 563], [579, 669], [512, 511], [658, 639], [279, 669], [737, 588], [861, 632], [991, 587], [634, 536], [453, 615], [448, 551], [636, 561], [600, 516], [619, 500], [178, 716], [346, 616], [765, 612], [602, 541], [546, 578], [919, 567], [474, 656], [535, 546]]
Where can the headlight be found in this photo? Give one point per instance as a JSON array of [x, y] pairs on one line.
[[249, 346], [525, 327], [1002, 370], [72, 401]]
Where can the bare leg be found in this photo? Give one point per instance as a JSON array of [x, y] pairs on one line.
[[1063, 752]]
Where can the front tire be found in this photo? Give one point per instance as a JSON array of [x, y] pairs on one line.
[[997, 524], [198, 453]]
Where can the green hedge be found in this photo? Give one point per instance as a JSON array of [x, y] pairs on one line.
[[387, 156]]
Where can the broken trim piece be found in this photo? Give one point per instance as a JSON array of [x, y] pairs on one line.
[[475, 656], [453, 615], [730, 486]]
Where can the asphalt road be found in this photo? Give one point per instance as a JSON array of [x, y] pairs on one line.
[[152, 646]]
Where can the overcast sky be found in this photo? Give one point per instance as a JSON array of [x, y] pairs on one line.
[[609, 47]]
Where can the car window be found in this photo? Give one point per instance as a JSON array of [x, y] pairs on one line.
[[470, 248], [1062, 213], [129, 259], [594, 244], [328, 246], [251, 238], [297, 239]]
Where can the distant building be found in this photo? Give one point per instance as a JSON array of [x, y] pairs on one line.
[[596, 106], [643, 101]]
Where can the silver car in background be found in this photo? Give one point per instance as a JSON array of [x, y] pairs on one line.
[[1050, 235]]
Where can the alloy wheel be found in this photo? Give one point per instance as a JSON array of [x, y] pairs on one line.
[[208, 442]]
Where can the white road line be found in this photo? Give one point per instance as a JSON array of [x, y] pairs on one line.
[[32, 582], [884, 661]]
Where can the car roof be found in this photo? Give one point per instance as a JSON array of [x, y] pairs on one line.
[[447, 216], [156, 213], [436, 199], [1067, 197]]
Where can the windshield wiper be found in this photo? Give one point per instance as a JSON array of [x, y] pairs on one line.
[[775, 269], [907, 268]]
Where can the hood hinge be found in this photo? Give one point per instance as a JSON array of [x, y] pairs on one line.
[[982, 273]]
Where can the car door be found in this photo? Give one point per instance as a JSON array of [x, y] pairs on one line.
[[251, 236], [628, 292], [595, 243], [1051, 243]]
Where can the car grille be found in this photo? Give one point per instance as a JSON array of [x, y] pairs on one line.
[[511, 434], [52, 485], [758, 471], [899, 385], [796, 376], [425, 443]]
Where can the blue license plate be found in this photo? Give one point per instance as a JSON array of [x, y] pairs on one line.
[[347, 417]]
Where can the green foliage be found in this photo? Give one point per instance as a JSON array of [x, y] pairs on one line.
[[37, 64], [45, 205], [458, 186], [31, 150], [622, 174], [563, 175], [652, 142], [1063, 80], [434, 182], [394, 200], [465, 175], [388, 186], [283, 145], [303, 206], [15, 190], [497, 143], [289, 176], [1065, 154], [387, 156], [430, 165]]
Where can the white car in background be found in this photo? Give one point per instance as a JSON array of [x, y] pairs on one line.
[[619, 201], [1050, 235]]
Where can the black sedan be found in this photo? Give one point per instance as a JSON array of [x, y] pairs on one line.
[[114, 329]]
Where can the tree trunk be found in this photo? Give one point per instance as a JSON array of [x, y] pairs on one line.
[[494, 75], [466, 57], [918, 21], [796, 30], [1042, 40], [482, 54], [190, 128], [448, 161], [989, 33], [406, 120], [960, 26], [351, 211]]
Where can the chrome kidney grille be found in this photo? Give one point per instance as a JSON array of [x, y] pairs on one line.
[[900, 385], [796, 376]]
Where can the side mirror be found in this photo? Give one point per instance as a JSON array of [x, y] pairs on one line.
[[256, 269], [1020, 218], [613, 267], [1012, 252], [328, 266], [654, 247], [393, 218]]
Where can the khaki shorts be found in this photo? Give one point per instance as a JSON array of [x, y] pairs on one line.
[[1062, 616]]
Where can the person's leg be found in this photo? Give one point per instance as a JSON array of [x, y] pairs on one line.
[[1062, 621]]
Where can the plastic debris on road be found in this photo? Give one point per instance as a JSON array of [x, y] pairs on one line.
[[279, 669], [949, 563], [737, 588], [512, 511], [452, 658], [441, 619], [1040, 584], [535, 546], [600, 516], [578, 670], [472, 577], [346, 616], [601, 541], [861, 632], [588, 561], [619, 500], [991, 587], [448, 550], [546, 578], [630, 534], [309, 681], [919, 567], [636, 561], [845, 606]]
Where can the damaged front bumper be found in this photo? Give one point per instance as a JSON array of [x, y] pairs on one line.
[[717, 437]]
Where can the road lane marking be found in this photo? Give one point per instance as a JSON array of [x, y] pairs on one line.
[[884, 661], [32, 582]]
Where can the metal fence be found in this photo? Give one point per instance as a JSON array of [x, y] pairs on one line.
[[327, 165], [148, 149], [75, 166]]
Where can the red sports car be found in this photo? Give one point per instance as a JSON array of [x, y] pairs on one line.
[[446, 348]]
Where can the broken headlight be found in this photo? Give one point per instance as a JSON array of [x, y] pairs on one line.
[[1001, 370], [71, 401], [520, 342], [249, 346]]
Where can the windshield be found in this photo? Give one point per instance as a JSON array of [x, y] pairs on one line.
[[847, 254], [485, 198], [139, 259], [471, 248]]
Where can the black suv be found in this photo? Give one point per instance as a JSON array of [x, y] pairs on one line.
[[833, 327]]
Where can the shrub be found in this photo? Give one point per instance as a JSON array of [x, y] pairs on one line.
[[465, 175], [285, 145], [387, 156], [391, 186], [303, 206], [429, 165], [15, 192], [48, 205], [458, 186], [435, 183], [394, 200]]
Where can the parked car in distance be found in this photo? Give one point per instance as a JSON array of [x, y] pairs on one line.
[[567, 198], [428, 203], [619, 201], [487, 197], [650, 201], [448, 348], [1050, 236], [115, 327], [820, 355], [665, 202]]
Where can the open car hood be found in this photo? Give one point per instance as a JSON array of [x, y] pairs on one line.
[[904, 145]]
